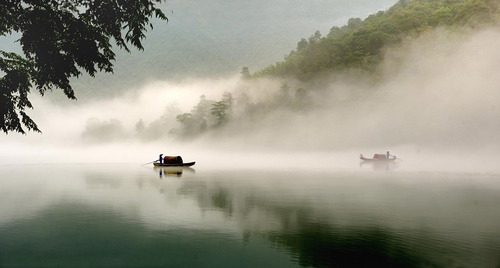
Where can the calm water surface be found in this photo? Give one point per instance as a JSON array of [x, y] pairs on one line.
[[132, 216]]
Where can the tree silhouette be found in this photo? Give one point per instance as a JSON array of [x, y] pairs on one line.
[[59, 39], [245, 73]]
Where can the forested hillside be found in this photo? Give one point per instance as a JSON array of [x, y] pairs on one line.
[[361, 44]]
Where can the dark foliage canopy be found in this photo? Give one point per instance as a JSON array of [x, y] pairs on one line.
[[61, 39]]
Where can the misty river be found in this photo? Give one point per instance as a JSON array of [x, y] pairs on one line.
[[96, 215]]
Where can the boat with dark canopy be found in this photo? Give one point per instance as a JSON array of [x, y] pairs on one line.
[[172, 161]]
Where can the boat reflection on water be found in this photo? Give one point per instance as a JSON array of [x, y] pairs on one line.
[[172, 171], [380, 165]]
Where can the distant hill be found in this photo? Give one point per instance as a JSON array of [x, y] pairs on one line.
[[361, 44]]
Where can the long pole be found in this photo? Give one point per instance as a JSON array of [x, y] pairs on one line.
[[149, 162]]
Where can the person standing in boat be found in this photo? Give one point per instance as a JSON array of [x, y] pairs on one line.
[[388, 155], [160, 158]]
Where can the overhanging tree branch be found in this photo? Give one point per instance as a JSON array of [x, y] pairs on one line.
[[61, 39]]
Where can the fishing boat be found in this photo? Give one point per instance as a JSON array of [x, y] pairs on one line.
[[378, 158], [172, 161], [156, 164]]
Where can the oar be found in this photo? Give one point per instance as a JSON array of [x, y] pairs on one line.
[[149, 162]]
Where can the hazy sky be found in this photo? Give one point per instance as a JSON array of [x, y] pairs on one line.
[[219, 37]]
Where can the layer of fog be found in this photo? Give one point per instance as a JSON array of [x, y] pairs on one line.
[[436, 107]]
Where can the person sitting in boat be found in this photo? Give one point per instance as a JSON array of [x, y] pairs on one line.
[[160, 158]]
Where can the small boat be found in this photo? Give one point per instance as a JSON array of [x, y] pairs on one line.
[[156, 164], [377, 158], [172, 161]]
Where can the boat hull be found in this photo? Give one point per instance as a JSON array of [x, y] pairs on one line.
[[156, 164], [377, 160]]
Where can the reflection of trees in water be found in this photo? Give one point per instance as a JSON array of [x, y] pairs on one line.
[[317, 241], [321, 245], [316, 236], [222, 199], [215, 196]]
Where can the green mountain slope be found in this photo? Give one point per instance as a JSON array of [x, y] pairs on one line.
[[361, 44]]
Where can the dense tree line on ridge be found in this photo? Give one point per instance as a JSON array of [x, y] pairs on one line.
[[209, 115], [360, 44]]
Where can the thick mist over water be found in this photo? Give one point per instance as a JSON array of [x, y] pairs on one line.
[[436, 107]]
